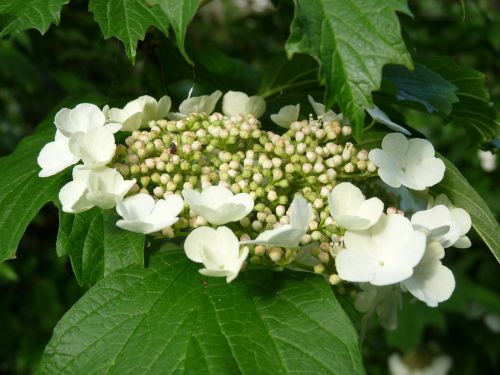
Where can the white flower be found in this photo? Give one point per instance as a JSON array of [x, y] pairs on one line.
[[101, 187], [288, 235], [320, 110], [439, 366], [197, 104], [380, 116], [142, 214], [286, 116], [139, 112], [460, 223], [488, 160], [350, 209], [218, 250], [407, 162], [56, 156], [384, 300], [218, 205], [236, 102], [82, 118], [436, 222], [96, 147], [431, 282], [383, 254]]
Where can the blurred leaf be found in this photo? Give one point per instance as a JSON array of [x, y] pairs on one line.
[[462, 195], [7, 272], [22, 192], [18, 15], [179, 13], [168, 318], [352, 40], [17, 68], [128, 20], [473, 112], [423, 86]]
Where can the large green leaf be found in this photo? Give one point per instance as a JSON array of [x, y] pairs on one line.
[[352, 40], [474, 111], [128, 20], [18, 15], [22, 192], [179, 13], [169, 319], [456, 187], [96, 246]]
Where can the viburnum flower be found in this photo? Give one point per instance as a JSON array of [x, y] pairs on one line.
[[407, 162], [460, 223], [351, 210], [288, 235], [95, 148], [286, 116], [383, 300], [142, 214], [440, 365], [431, 282], [218, 250], [100, 187], [320, 110], [218, 205], [197, 104], [139, 112], [384, 254], [236, 102], [81, 119], [56, 156]]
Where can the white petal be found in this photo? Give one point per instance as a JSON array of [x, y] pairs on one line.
[[82, 118], [195, 241], [435, 221], [318, 108], [371, 210], [165, 212], [286, 116], [236, 102], [63, 122], [95, 147], [345, 198], [106, 186], [427, 173], [284, 236], [463, 243], [72, 197], [395, 145], [300, 213], [163, 108], [55, 156], [136, 226], [463, 218], [356, 264], [418, 150], [200, 104], [378, 115], [136, 208]]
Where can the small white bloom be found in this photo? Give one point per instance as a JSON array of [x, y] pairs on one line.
[[286, 116], [431, 282], [383, 254], [197, 104], [100, 187], [82, 118], [350, 209], [142, 214], [139, 112], [236, 102], [436, 222], [96, 147], [460, 223], [218, 250], [320, 110], [407, 162], [218, 205], [288, 235], [488, 160], [56, 156], [380, 116], [439, 366], [383, 300]]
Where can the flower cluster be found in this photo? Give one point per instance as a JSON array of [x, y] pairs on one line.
[[243, 196]]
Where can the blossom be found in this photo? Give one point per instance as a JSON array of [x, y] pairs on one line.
[[286, 116], [139, 112], [96, 147], [436, 222], [142, 214], [407, 162], [384, 300], [218, 205], [82, 118], [288, 235], [383, 254], [197, 104], [460, 223], [350, 210], [380, 116], [100, 187], [320, 110], [488, 160], [56, 156], [236, 102], [218, 250], [440, 365], [431, 282]]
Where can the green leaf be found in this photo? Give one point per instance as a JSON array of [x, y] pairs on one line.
[[18, 15], [179, 13], [462, 195], [473, 112], [128, 20], [423, 86], [96, 246], [22, 192], [352, 40], [170, 319]]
